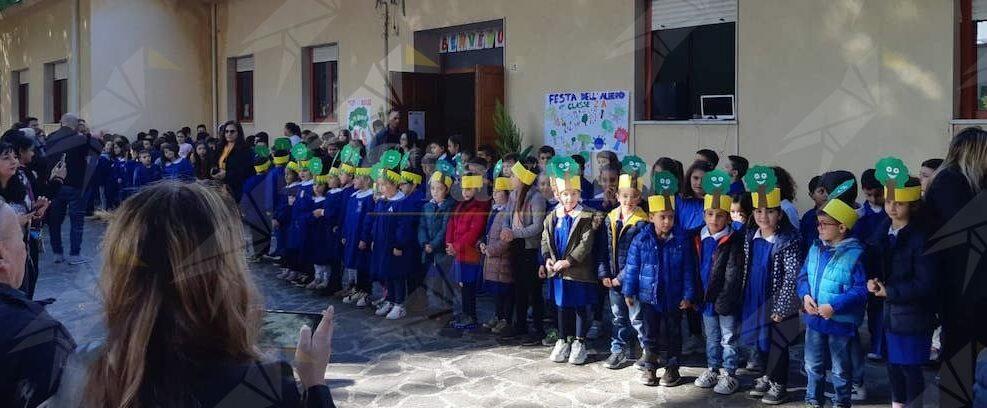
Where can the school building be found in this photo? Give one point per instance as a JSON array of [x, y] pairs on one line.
[[806, 84]]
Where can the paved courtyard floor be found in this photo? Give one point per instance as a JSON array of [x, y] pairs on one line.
[[415, 363]]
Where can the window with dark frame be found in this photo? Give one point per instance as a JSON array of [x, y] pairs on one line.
[[59, 91], [324, 83], [23, 93], [244, 89], [692, 53], [973, 59]]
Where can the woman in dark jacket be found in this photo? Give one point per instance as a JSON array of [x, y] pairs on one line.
[[236, 159], [963, 293], [183, 317]]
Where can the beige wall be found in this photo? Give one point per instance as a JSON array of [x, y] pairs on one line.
[[30, 38], [556, 44], [150, 65], [839, 84]]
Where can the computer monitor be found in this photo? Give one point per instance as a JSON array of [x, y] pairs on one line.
[[717, 107]]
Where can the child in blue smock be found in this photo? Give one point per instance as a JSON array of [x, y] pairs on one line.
[[175, 167], [355, 252], [388, 234], [904, 277], [567, 247]]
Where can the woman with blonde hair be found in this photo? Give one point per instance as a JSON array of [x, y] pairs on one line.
[[961, 177], [182, 314]]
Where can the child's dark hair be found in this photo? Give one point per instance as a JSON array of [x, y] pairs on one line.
[[455, 140], [786, 183], [479, 161], [710, 156], [704, 166], [745, 201], [611, 158], [869, 181], [739, 164], [261, 137], [546, 149], [488, 150], [832, 179], [15, 192], [932, 163], [814, 184], [514, 157], [293, 128], [581, 161]]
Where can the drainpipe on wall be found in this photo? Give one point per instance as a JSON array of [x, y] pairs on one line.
[[75, 94], [215, 64]]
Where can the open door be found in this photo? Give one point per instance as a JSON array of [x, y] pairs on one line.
[[418, 91], [489, 85]]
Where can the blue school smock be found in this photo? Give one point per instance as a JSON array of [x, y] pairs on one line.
[[282, 214], [179, 169], [689, 213], [357, 206], [569, 293], [145, 175], [467, 273], [868, 221], [316, 234], [335, 210], [755, 329], [386, 224], [297, 223]]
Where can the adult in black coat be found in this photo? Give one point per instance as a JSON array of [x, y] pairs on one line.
[[236, 159], [391, 134], [957, 204]]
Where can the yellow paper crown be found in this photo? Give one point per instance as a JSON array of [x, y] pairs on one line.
[[323, 179], [771, 200], [334, 171], [412, 178], [260, 168], [303, 164], [659, 203], [841, 212], [724, 202], [904, 194], [347, 168], [472, 181], [523, 174], [502, 184], [440, 177], [571, 183], [293, 166], [628, 181], [281, 160], [391, 175], [362, 171]]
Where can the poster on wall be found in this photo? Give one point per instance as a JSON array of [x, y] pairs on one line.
[[416, 122], [586, 122], [358, 120], [471, 40]]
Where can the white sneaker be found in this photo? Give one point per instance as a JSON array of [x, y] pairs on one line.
[[727, 384], [384, 308], [577, 355], [362, 300], [350, 298], [396, 313], [560, 353], [707, 379]]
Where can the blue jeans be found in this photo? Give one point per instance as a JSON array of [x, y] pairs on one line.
[[858, 360], [622, 333], [397, 290], [721, 342], [838, 347], [69, 199]]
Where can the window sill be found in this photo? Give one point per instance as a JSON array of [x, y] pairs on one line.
[[968, 121], [701, 122]]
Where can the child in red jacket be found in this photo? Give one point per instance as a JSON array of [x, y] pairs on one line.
[[463, 234]]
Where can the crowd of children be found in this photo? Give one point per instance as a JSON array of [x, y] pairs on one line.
[[665, 253]]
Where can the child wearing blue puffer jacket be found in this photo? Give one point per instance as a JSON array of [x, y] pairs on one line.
[[661, 282], [833, 288]]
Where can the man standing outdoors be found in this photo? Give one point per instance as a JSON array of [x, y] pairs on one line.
[[73, 147], [392, 133]]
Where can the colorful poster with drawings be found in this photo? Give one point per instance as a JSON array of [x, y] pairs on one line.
[[587, 122], [358, 111]]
